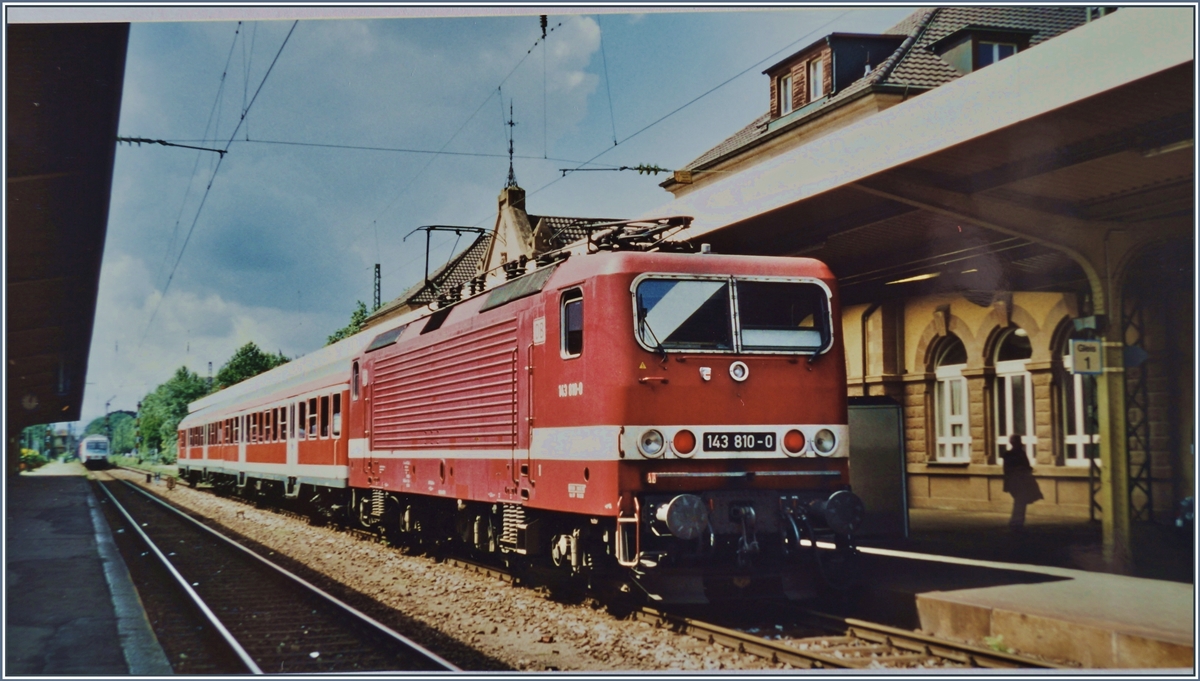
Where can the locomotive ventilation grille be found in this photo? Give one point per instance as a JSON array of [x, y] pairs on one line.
[[459, 392]]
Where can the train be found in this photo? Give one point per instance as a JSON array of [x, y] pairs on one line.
[[627, 412], [94, 452]]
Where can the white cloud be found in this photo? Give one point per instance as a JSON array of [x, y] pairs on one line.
[[126, 362]]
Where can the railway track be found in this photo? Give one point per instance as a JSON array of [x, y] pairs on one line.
[[845, 643], [850, 644], [840, 643], [266, 619]]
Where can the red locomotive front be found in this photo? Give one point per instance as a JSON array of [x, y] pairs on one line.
[[660, 412]]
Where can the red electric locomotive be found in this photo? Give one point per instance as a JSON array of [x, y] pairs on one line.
[[673, 420]]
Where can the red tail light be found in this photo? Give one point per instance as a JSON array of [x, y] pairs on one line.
[[793, 441], [684, 442]]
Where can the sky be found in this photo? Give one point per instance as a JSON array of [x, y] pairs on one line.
[[275, 241]]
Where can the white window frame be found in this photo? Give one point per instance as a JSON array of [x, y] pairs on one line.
[[996, 51], [816, 79], [1005, 373], [945, 419], [569, 296], [785, 95], [1076, 412]]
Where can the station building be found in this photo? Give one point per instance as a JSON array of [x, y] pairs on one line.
[[990, 184]]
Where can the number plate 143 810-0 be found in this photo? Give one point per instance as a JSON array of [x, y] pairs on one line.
[[739, 442]]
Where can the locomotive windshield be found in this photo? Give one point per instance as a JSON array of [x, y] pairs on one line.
[[685, 314], [97, 446], [696, 314]]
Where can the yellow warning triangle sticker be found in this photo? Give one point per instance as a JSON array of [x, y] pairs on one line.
[[643, 365]]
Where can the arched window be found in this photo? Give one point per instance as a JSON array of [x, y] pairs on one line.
[[951, 402], [1014, 393], [1081, 421]]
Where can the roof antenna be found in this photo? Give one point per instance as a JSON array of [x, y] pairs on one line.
[[512, 176]]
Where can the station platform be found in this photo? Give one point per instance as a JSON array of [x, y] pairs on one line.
[[1043, 591], [70, 606], [71, 609]]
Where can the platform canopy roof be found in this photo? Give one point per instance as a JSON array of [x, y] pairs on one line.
[[1092, 128], [63, 98]]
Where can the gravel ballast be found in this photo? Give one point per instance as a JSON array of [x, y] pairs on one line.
[[510, 626]]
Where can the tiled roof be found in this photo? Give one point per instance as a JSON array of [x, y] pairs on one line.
[[920, 67], [740, 138], [913, 65], [462, 267], [448, 277]]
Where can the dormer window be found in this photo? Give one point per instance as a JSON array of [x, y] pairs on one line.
[[785, 95], [816, 79], [989, 53], [973, 47]]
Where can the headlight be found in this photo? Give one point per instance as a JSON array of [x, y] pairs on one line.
[[824, 441], [651, 443], [739, 372], [685, 516]]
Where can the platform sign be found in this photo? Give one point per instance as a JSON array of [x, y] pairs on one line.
[[1086, 357]]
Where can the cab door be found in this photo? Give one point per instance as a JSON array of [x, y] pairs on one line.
[[531, 346]]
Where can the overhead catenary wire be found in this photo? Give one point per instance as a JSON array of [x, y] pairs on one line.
[[208, 188], [664, 117], [607, 83], [695, 99], [545, 114], [196, 166], [442, 151], [403, 150]]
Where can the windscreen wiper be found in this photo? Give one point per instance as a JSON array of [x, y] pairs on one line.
[[658, 346]]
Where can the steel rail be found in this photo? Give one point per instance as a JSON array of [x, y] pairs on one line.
[[900, 639], [187, 588], [363, 617], [965, 653]]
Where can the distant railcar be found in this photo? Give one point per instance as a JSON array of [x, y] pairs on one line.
[[94, 452], [674, 421]]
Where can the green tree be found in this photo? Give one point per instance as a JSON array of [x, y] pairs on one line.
[[246, 362], [357, 319], [121, 435], [163, 409], [36, 438]]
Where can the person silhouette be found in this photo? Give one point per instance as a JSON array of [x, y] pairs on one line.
[[1019, 482]]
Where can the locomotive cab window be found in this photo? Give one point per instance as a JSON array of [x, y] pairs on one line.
[[696, 314], [571, 322], [684, 314], [782, 315], [354, 381]]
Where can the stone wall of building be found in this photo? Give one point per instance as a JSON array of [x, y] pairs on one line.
[[901, 342]]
